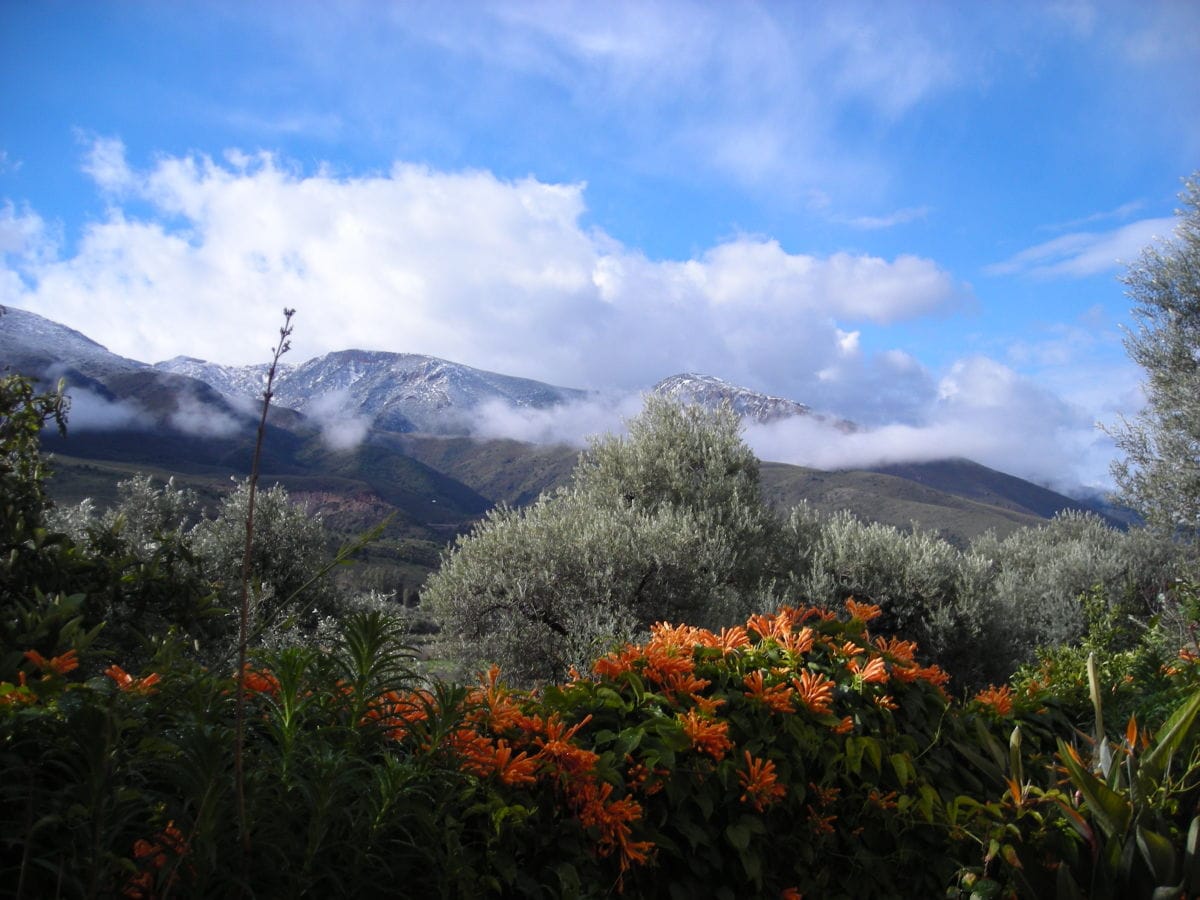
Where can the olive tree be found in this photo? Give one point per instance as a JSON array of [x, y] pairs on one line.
[[665, 523], [1160, 473], [288, 556]]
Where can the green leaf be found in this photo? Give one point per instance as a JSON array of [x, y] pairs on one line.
[[1191, 863], [738, 835], [854, 753], [986, 889], [1171, 735], [902, 765], [1158, 853], [568, 879], [1110, 809]]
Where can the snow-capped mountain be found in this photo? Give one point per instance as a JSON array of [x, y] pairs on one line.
[[407, 391], [393, 391], [35, 345], [710, 391], [237, 383], [398, 392]]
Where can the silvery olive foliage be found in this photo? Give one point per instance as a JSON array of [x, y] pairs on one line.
[[162, 525], [290, 545], [665, 523], [1159, 475], [983, 610]]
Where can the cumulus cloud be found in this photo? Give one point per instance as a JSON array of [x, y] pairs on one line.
[[1083, 253], [498, 274]]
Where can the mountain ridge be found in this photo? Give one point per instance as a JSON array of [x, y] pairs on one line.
[[419, 407]]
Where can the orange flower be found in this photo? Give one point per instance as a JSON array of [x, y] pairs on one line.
[[664, 661], [59, 665], [816, 691], [849, 649], [885, 701], [684, 684], [769, 627], [790, 894], [707, 736], [882, 801], [514, 770], [260, 681], [731, 639], [998, 699], [845, 726], [865, 612], [12, 694], [152, 855], [129, 684], [612, 819], [503, 713], [565, 758], [398, 712], [618, 663], [875, 672], [900, 651], [760, 783], [707, 705], [778, 698], [664, 635], [798, 642]]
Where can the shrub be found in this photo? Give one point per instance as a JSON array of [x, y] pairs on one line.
[[666, 524]]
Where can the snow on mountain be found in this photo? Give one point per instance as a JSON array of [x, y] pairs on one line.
[[407, 391], [403, 392], [237, 383], [34, 345], [711, 392]]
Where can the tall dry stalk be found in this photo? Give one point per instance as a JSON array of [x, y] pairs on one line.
[[244, 621]]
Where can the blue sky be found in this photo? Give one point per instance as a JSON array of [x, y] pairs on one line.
[[912, 215]]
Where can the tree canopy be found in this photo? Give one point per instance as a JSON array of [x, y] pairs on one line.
[[1160, 473], [665, 523]]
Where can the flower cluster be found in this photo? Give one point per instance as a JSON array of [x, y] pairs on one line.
[[158, 862]]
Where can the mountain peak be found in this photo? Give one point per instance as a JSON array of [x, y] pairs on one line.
[[708, 390]]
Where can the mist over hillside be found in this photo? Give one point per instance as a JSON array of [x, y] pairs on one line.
[[442, 441]]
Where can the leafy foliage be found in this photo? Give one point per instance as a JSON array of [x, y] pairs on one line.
[[1160, 474], [665, 524]]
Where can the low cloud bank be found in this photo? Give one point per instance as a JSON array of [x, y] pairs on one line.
[[340, 428], [979, 410], [570, 423], [93, 412]]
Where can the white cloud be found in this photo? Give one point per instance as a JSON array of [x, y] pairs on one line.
[[899, 217], [496, 274], [340, 430], [105, 163], [92, 412], [193, 416], [570, 423], [1084, 253]]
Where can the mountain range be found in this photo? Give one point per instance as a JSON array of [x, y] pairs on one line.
[[360, 434]]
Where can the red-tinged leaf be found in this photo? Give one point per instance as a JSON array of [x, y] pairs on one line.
[[1014, 789], [1110, 810], [1078, 822]]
